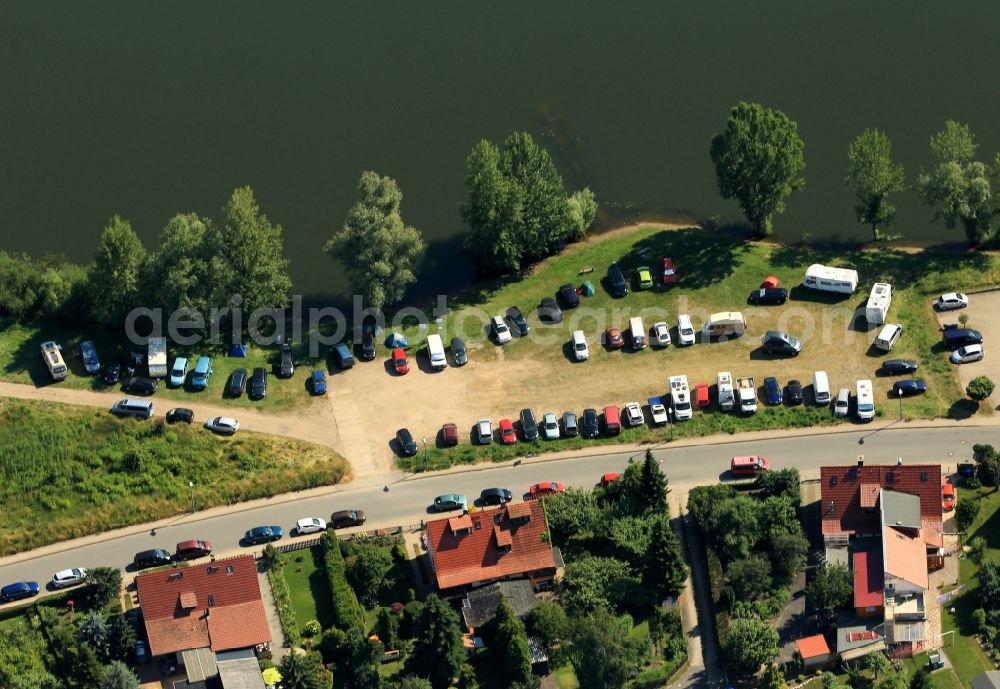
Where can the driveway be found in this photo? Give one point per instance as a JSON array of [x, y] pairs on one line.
[[982, 312]]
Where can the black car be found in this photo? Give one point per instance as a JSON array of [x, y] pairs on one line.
[[616, 278], [898, 367], [906, 388], [495, 496], [345, 519], [141, 385], [588, 424], [367, 345], [156, 557], [287, 367], [570, 298], [768, 295], [237, 382], [459, 352], [529, 428], [781, 343], [515, 316], [112, 373], [549, 311], [180, 414], [793, 392], [258, 384], [263, 534], [407, 445], [954, 337]]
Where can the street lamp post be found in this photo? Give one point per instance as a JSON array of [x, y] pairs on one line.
[[670, 420], [900, 393], [425, 453], [191, 486]]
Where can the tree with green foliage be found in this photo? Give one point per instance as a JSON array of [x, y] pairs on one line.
[[22, 658], [750, 576], [664, 570], [640, 490], [878, 664], [467, 677], [759, 162], [189, 269], [921, 680], [512, 644], [603, 653], [573, 515], [256, 252], [115, 276], [93, 631], [749, 644], [654, 485], [121, 638], [379, 251], [367, 566], [595, 581], [979, 388], [582, 206], [966, 512], [437, 647], [629, 538], [387, 628], [872, 176], [987, 464], [773, 678], [958, 187], [74, 663], [989, 584], [831, 588], [548, 622], [781, 483], [789, 551], [361, 657], [103, 585], [830, 681], [119, 676], [412, 683], [304, 671]]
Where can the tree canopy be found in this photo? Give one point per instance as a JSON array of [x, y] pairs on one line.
[[872, 176], [979, 388], [437, 648], [189, 269], [115, 276], [831, 588], [304, 671], [592, 582], [664, 572], [603, 653], [118, 675], [749, 644], [512, 643]]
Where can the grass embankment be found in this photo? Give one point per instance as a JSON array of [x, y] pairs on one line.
[[69, 472], [717, 272]]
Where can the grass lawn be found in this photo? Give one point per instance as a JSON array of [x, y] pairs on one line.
[[566, 676], [82, 471], [944, 678], [308, 586]]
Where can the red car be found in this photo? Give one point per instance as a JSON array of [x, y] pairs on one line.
[[669, 275], [608, 479], [546, 488], [613, 337], [507, 435], [399, 361], [948, 497], [449, 435], [701, 395]]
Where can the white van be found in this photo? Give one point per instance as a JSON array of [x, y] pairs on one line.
[[435, 351], [131, 407], [54, 361], [821, 388], [843, 404], [637, 331], [866, 400], [888, 336], [579, 343], [725, 324]]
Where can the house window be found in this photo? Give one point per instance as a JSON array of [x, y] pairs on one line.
[[211, 599], [478, 526], [229, 569], [833, 480], [890, 476], [497, 519], [852, 473]]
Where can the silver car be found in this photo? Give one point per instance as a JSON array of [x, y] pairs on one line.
[[550, 426], [68, 577], [484, 431]]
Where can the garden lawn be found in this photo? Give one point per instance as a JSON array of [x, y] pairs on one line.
[[944, 678], [566, 677], [308, 586], [83, 471]]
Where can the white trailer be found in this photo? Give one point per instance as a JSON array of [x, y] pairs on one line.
[[435, 351], [157, 357], [680, 397], [724, 384], [827, 279], [725, 324], [879, 300], [747, 389], [52, 353]]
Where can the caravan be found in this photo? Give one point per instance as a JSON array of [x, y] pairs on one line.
[[435, 351], [680, 397], [725, 324], [637, 331], [877, 307], [827, 279], [54, 360]]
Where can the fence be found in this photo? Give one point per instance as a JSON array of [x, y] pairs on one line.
[[373, 533]]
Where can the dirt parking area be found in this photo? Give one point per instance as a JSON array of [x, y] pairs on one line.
[[982, 312]]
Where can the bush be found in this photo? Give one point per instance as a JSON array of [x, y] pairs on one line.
[[311, 628], [979, 388], [270, 557], [283, 604], [346, 610], [966, 512]]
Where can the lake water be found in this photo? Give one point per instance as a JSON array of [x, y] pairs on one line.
[[146, 109]]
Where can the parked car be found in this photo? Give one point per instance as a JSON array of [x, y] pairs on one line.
[[399, 363], [967, 354], [515, 316], [112, 373], [612, 420], [450, 501], [346, 519], [237, 382], [658, 413], [367, 345], [154, 557], [202, 372], [793, 392], [952, 300], [458, 352], [768, 295], [449, 435], [644, 276], [781, 343], [484, 431], [546, 488], [180, 414], [310, 525], [898, 367], [700, 396], [609, 478], [549, 311], [908, 388], [619, 288], [772, 391], [669, 274], [569, 425], [570, 298], [68, 577], [223, 424], [88, 352], [141, 385], [192, 550], [407, 445], [661, 334], [947, 497], [550, 426], [495, 496], [613, 338], [286, 367], [501, 333], [141, 656], [317, 382], [18, 591], [589, 426], [842, 405], [529, 429], [263, 534], [685, 331], [954, 337], [507, 434], [341, 354], [579, 343], [258, 384], [633, 414]]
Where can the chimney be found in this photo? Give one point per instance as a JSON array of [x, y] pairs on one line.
[[861, 462], [899, 461]]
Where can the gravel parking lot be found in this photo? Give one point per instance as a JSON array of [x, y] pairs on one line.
[[981, 311]]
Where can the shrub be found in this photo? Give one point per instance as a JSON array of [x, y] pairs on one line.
[[270, 557], [283, 604], [966, 512], [311, 628], [979, 388], [346, 611]]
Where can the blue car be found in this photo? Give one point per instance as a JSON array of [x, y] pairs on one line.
[[772, 391], [905, 388], [202, 372], [263, 534], [179, 372], [18, 591], [318, 383]]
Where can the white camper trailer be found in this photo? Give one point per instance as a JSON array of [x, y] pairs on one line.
[[157, 357], [725, 324], [827, 279], [878, 303], [724, 385]]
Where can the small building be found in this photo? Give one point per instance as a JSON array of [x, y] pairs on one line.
[[539, 656], [857, 637], [813, 651], [480, 605], [987, 680]]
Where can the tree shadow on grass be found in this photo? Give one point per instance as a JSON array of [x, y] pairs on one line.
[[962, 410], [702, 256], [319, 588]]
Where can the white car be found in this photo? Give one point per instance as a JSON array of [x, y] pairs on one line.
[[484, 431], [685, 331], [550, 426], [661, 334], [68, 577], [223, 424], [500, 330], [633, 414], [659, 413], [952, 300], [580, 349], [310, 525], [967, 354]]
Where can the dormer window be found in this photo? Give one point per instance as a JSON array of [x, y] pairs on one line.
[[833, 480], [852, 473], [890, 476]]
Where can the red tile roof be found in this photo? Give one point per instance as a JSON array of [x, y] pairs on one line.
[[868, 580], [812, 646], [847, 505], [476, 556], [234, 618]]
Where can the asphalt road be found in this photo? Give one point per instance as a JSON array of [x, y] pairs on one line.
[[407, 500]]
